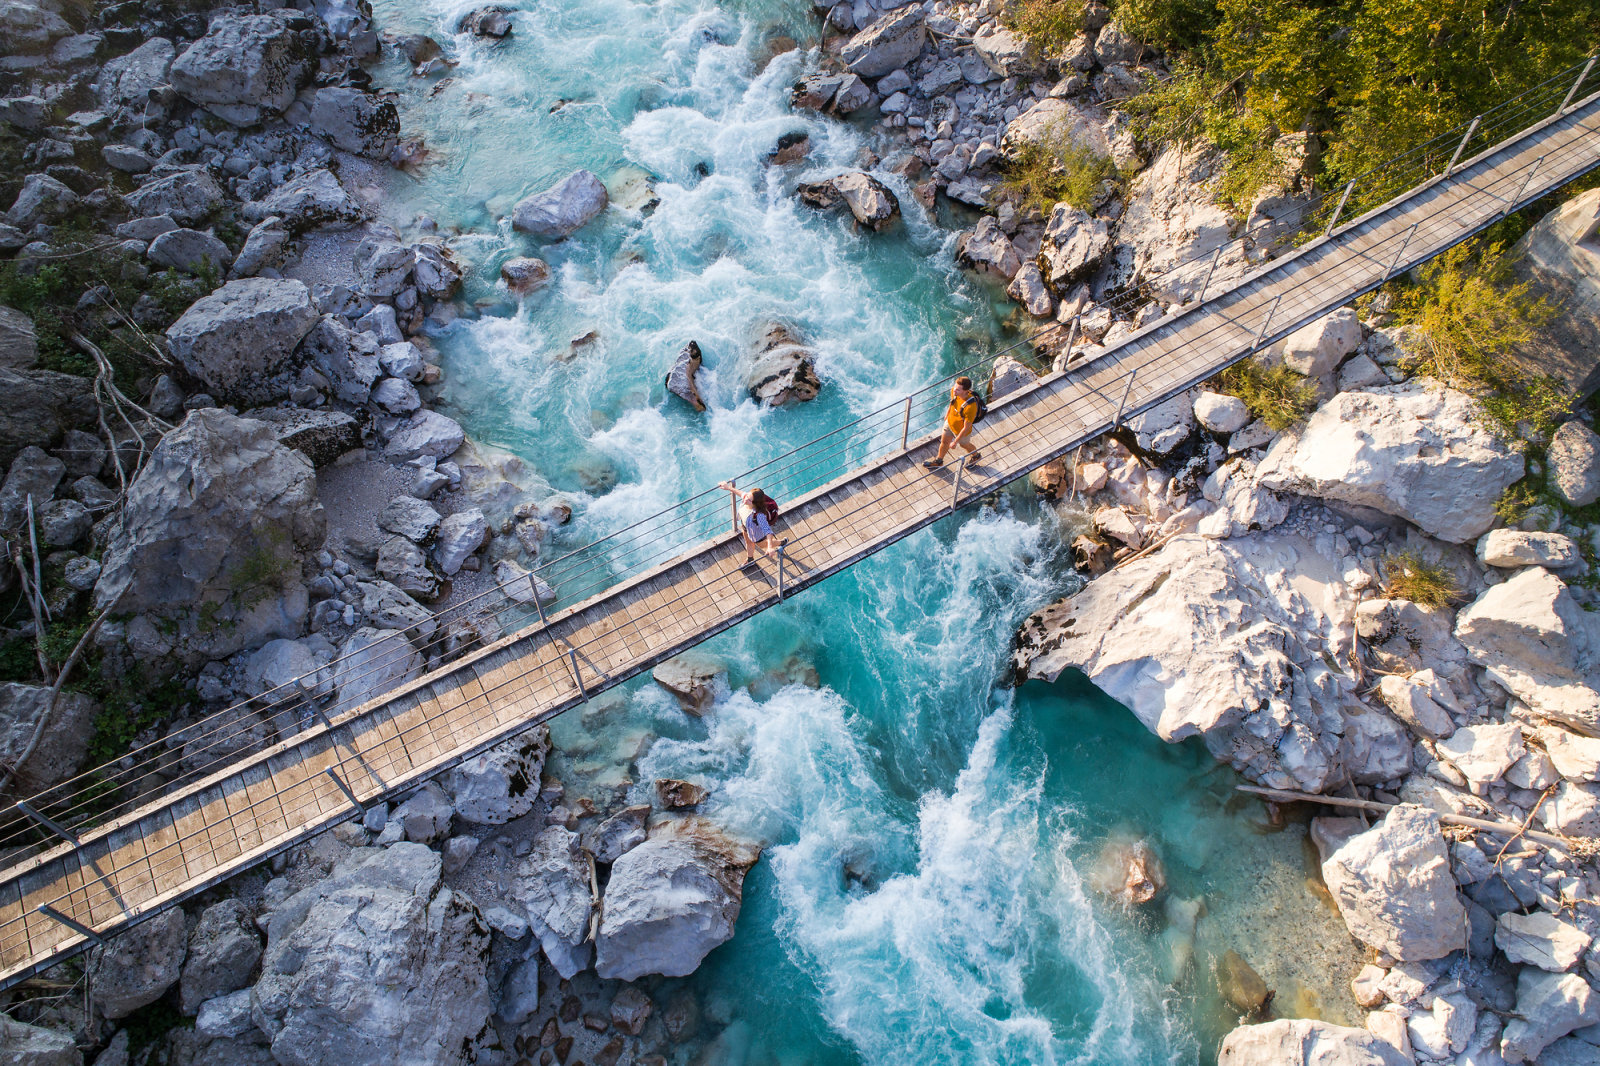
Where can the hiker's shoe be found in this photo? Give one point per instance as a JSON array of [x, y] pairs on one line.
[[933, 464], [974, 457]]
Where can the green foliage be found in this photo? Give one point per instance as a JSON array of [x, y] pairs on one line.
[[1277, 395], [1056, 170], [128, 707], [1411, 577], [1472, 316], [150, 1025], [1368, 79], [1515, 501], [18, 661], [1049, 24]]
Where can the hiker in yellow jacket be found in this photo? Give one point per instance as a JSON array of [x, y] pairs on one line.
[[959, 419]]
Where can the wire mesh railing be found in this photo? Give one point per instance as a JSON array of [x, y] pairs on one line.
[[414, 644]]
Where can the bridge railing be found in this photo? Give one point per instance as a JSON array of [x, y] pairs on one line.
[[409, 642]]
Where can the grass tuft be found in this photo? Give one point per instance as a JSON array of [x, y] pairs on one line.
[[1411, 577], [1276, 395]]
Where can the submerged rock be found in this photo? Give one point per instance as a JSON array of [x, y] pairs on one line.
[[1241, 986], [1128, 872], [671, 900], [563, 209], [781, 369]]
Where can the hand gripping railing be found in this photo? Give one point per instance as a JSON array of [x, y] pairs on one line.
[[318, 702]]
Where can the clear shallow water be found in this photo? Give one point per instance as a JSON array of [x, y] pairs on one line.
[[922, 898]]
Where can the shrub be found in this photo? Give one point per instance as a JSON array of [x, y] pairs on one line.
[[1471, 316], [1049, 24], [1411, 577], [1056, 170], [1277, 395], [1515, 502]]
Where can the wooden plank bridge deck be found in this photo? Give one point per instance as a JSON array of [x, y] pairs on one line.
[[179, 844]]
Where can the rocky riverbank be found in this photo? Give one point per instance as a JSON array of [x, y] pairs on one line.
[[269, 498]]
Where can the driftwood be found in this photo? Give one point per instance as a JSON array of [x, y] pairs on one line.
[[1511, 829]]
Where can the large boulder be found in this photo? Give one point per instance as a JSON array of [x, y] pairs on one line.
[[891, 42], [63, 744], [1514, 548], [247, 67], [1560, 256], [1536, 642], [127, 80], [206, 552], [1305, 1042], [187, 197], [349, 360], [32, 1045], [379, 963], [19, 343], [781, 369], [1393, 885], [371, 662], [552, 887], [1074, 245], [563, 209], [223, 951], [1541, 939], [28, 26], [1574, 456], [41, 199], [1419, 452], [314, 199], [237, 338], [1206, 638], [40, 405], [1174, 224], [138, 965], [988, 249], [426, 433], [354, 121], [1549, 1006], [1009, 54], [1056, 121], [1317, 348], [502, 783], [869, 200], [190, 251], [671, 900]]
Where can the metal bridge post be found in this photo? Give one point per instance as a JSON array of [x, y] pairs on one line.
[[1266, 324], [49, 823], [1072, 338], [1451, 169], [1401, 253], [1206, 284], [1584, 73], [956, 494], [572, 659], [1339, 210], [76, 926], [905, 427], [351, 796], [780, 571], [1511, 204], [1125, 393]]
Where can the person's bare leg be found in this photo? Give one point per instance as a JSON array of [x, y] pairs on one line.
[[749, 547]]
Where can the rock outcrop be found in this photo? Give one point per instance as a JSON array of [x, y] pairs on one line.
[[239, 337], [893, 41], [1303, 1042], [781, 369], [502, 783], [869, 200], [63, 742], [355, 121], [138, 965], [1415, 451], [378, 963], [552, 887], [1535, 641], [1393, 884], [205, 555], [1203, 639], [671, 900], [247, 67]]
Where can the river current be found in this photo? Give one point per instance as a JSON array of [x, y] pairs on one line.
[[924, 893]]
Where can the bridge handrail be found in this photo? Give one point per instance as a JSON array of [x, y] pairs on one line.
[[586, 571]]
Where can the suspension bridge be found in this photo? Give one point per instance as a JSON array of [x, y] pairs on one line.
[[121, 842]]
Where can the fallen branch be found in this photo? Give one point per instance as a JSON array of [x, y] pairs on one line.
[[1508, 828]]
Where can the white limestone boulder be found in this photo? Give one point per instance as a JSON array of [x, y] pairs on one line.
[[1304, 1042], [1513, 548], [891, 42], [377, 963], [138, 965], [1316, 349], [1541, 939], [1483, 753], [1175, 225], [1414, 451], [563, 209], [237, 339], [502, 783], [1074, 245], [62, 748], [552, 887], [1220, 413], [1394, 888], [1549, 1006], [1207, 638], [987, 249], [245, 68], [460, 535], [371, 662], [671, 900], [1539, 644], [1574, 758], [1574, 456]]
